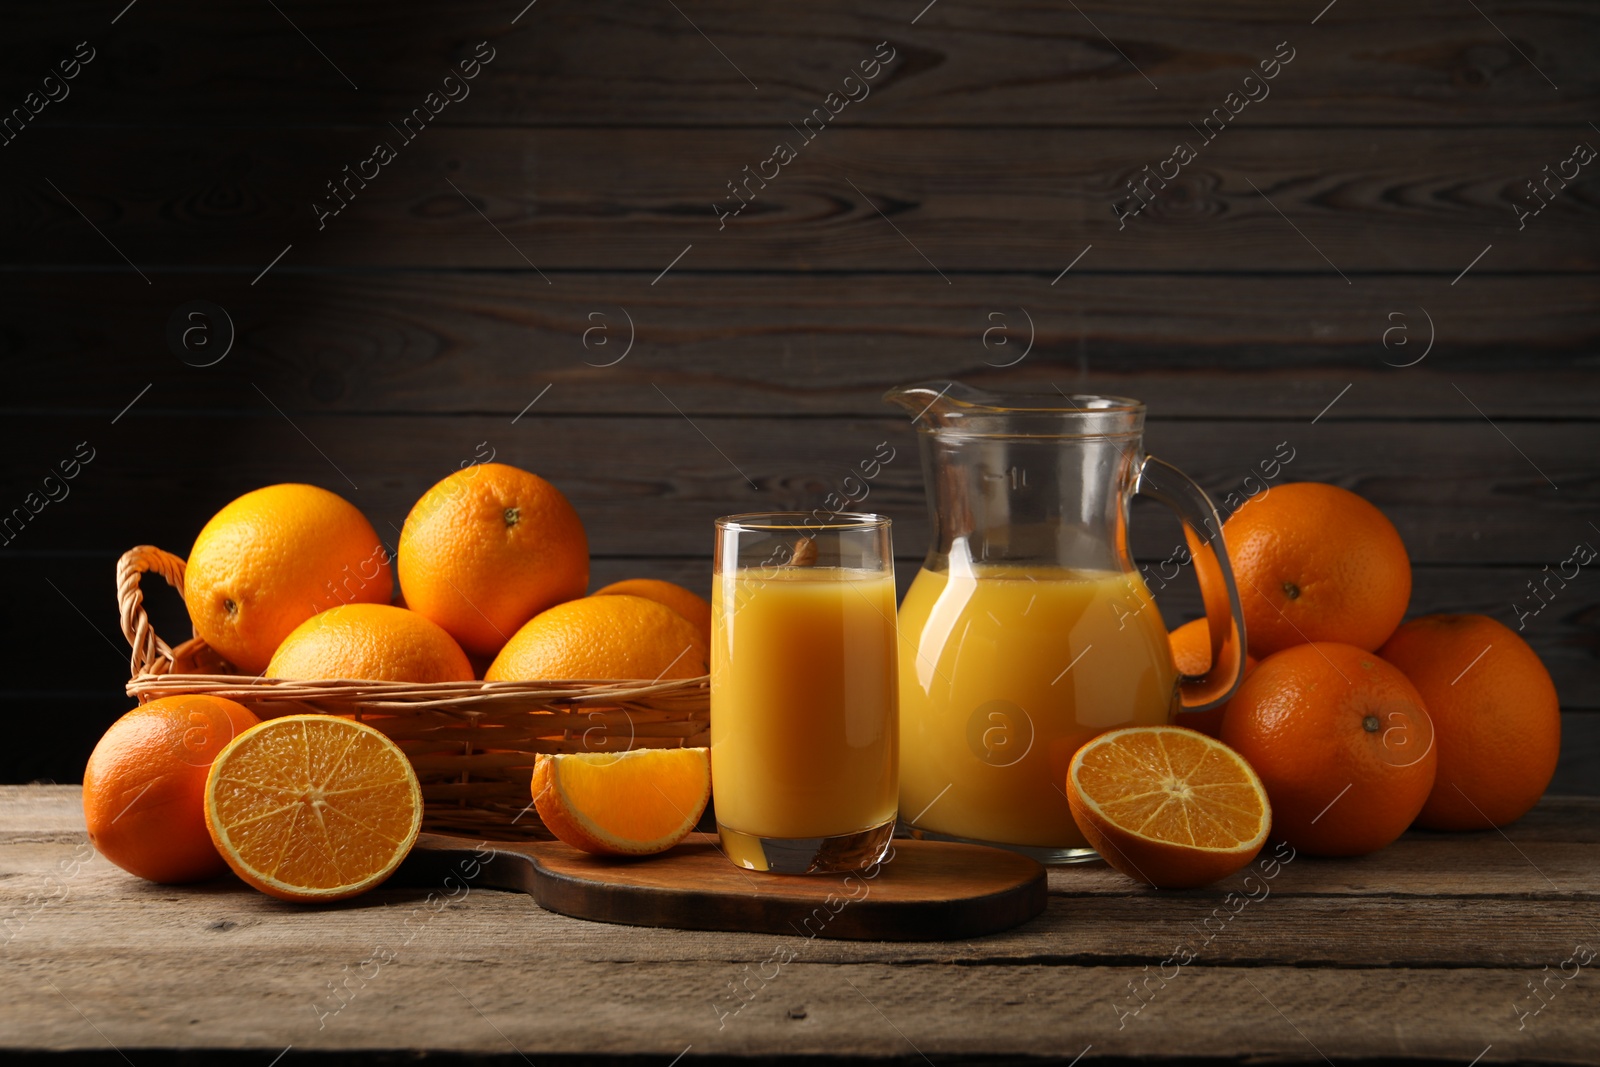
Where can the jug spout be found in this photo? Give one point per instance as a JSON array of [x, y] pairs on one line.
[[936, 402], [927, 400]]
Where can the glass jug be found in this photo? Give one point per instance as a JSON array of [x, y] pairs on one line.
[[1028, 629]]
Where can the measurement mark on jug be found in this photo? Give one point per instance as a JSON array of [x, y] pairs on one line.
[[1073, 664]]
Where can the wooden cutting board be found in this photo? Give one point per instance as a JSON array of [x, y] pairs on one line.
[[927, 890]]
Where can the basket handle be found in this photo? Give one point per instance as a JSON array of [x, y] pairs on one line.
[[151, 655]]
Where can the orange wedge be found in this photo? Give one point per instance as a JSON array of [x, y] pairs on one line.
[[1168, 806], [623, 804], [312, 807]]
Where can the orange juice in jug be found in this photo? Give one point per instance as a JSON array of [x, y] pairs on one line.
[[1029, 630], [1004, 673]]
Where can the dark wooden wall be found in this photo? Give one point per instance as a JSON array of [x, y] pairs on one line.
[[1362, 214]]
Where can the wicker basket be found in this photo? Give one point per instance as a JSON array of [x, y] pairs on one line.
[[472, 743]]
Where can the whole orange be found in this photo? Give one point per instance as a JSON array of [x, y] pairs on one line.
[[602, 637], [1343, 743], [487, 549], [273, 558], [1495, 711], [370, 641], [144, 786], [695, 608], [1315, 562], [1191, 653]]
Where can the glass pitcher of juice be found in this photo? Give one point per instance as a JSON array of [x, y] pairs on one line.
[[1028, 629]]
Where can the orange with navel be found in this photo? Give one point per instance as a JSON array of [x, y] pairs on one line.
[[374, 642], [144, 786], [603, 637], [273, 558], [695, 608], [1343, 743], [487, 549], [1494, 710], [1315, 562]]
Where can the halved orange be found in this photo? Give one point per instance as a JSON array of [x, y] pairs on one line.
[[623, 804], [313, 807], [1167, 805]]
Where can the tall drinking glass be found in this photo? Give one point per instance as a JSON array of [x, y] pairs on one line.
[[804, 691]]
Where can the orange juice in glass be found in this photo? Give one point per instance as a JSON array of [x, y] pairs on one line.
[[804, 691]]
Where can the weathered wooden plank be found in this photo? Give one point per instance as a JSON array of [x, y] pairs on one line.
[[155, 967], [1459, 492], [1548, 855], [152, 966], [820, 345], [1546, 858], [1117, 925], [51, 813], [1510, 875], [950, 1014], [41, 810], [1365, 199], [1430, 63]]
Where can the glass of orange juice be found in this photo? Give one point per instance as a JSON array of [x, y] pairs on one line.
[[804, 691]]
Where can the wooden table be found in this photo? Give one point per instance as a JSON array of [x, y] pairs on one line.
[[1424, 951]]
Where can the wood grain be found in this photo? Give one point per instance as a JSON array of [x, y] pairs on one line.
[[560, 1010], [1459, 492], [921, 891], [1366, 199], [410, 329], [1414, 923], [1191, 346], [1434, 969], [959, 63]]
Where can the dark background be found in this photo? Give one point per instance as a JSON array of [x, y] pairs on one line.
[[1314, 247]]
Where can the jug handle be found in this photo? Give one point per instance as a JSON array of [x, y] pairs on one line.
[[1202, 529]]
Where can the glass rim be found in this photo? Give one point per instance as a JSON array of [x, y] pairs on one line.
[[790, 521], [1042, 403], [952, 399]]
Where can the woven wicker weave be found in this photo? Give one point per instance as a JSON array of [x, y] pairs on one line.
[[472, 743]]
